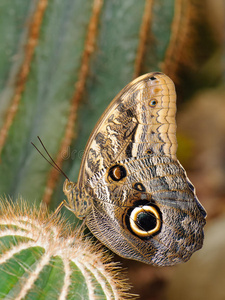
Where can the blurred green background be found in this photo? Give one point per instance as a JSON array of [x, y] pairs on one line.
[[61, 64]]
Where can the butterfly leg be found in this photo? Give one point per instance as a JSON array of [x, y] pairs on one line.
[[80, 228], [54, 215]]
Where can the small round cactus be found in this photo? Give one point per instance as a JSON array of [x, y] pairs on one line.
[[41, 257]]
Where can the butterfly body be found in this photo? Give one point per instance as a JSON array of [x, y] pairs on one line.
[[134, 194]]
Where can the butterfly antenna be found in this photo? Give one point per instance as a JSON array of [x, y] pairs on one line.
[[51, 161]]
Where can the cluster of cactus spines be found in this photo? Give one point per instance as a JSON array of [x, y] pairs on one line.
[[43, 258]]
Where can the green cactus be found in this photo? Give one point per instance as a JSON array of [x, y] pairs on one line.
[[42, 258]]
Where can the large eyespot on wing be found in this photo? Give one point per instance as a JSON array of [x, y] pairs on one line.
[[145, 221], [140, 120]]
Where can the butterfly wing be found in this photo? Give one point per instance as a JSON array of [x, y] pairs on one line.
[[134, 193], [140, 120]]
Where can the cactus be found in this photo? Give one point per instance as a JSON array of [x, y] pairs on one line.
[[42, 258]]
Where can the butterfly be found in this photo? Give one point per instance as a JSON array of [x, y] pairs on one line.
[[132, 191]]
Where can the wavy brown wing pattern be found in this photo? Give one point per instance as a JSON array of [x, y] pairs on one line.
[[132, 191], [140, 120]]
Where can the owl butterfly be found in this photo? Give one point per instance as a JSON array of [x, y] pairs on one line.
[[132, 191]]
